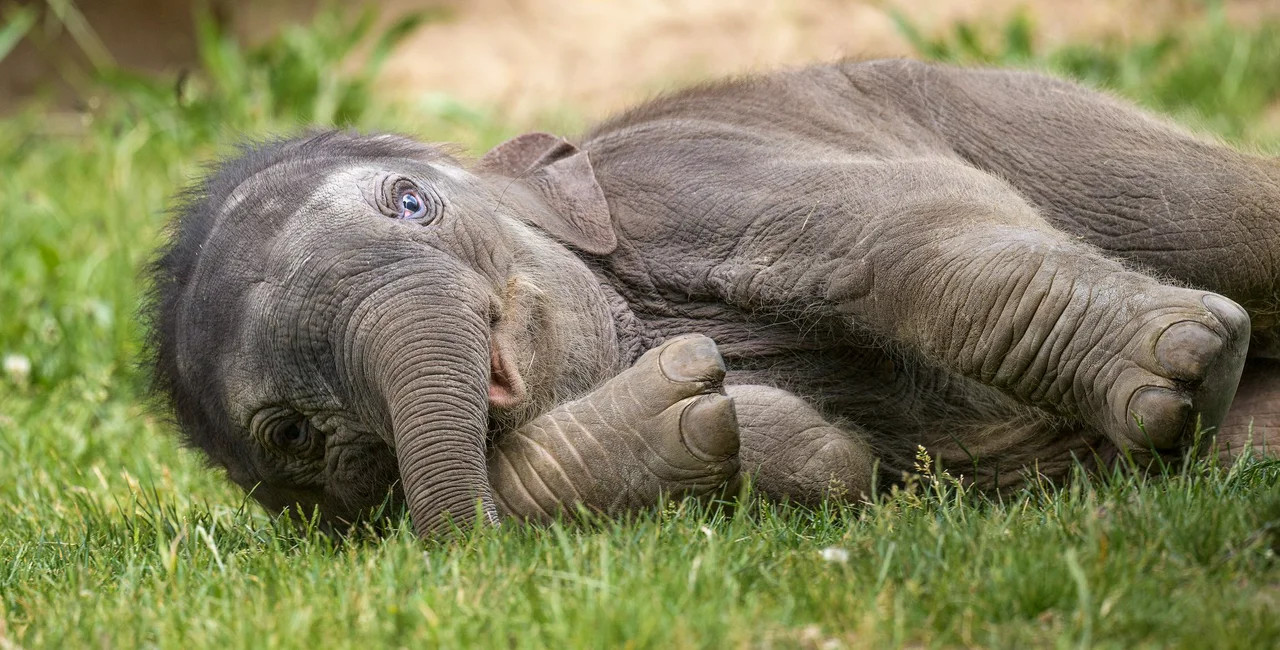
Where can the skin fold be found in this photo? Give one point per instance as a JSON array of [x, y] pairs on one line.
[[801, 277], [662, 426]]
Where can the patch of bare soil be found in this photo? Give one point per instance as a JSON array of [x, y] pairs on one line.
[[523, 57]]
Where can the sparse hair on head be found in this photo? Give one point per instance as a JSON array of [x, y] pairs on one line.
[[192, 399]]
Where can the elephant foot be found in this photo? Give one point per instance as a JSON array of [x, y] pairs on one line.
[[1181, 353], [673, 401], [662, 427], [1252, 425]]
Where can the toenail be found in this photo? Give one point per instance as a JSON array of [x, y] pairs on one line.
[[1186, 348], [1226, 310], [1157, 416], [709, 428], [697, 360]]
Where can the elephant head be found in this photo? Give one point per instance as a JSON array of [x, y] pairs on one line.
[[337, 314]]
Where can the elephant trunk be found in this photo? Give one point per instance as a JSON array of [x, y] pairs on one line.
[[431, 365]]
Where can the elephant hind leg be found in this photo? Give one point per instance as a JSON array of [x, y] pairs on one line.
[[1252, 424], [793, 453]]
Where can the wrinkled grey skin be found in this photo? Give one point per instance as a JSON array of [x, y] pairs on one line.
[[1014, 272]]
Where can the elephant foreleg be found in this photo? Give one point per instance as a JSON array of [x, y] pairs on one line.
[[1135, 186], [663, 426]]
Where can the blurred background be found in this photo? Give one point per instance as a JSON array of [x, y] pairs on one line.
[[523, 59]]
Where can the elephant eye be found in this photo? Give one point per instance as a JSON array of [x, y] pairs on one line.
[[411, 205], [403, 199], [292, 435], [414, 206]]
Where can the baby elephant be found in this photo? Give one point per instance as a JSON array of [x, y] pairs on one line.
[[1011, 271]]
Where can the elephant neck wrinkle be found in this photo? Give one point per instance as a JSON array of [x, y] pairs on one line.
[[634, 338]]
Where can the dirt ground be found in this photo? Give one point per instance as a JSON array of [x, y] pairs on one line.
[[521, 57]]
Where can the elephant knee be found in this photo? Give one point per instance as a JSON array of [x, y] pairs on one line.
[[839, 468], [794, 453], [821, 463]]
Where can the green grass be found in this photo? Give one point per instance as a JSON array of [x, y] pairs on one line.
[[111, 536], [1210, 74]]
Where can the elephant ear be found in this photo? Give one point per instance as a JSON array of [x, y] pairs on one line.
[[562, 175]]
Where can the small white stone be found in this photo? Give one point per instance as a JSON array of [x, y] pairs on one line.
[[834, 554], [18, 367]]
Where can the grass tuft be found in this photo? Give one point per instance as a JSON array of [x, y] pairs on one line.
[[1212, 74]]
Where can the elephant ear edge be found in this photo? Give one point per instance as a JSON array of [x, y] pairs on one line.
[[562, 175]]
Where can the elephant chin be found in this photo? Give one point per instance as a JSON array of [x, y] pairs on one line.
[[435, 389]]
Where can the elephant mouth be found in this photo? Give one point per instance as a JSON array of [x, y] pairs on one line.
[[506, 388]]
